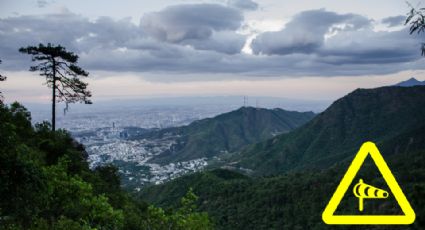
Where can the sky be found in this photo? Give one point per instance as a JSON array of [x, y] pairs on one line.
[[305, 49]]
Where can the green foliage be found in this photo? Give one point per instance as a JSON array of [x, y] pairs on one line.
[[45, 183], [295, 200], [185, 218], [107, 181], [71, 197]]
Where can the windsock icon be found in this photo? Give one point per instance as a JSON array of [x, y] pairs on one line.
[[365, 191]]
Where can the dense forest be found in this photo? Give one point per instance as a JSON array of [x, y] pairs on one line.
[[46, 183], [294, 200]]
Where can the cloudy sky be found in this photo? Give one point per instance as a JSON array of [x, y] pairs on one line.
[[302, 49]]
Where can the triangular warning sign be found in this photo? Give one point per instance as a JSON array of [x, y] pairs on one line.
[[368, 148]]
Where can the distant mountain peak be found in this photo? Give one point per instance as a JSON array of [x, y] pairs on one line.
[[227, 132], [410, 82]]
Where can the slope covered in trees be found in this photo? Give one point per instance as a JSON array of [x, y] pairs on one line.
[[377, 115], [227, 132], [309, 163], [45, 183], [294, 200]]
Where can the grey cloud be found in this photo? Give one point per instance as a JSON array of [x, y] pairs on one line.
[[353, 42], [108, 33], [171, 58], [31, 30], [306, 32], [370, 47], [243, 4], [201, 26], [394, 20], [120, 45], [223, 42], [192, 21], [72, 31]]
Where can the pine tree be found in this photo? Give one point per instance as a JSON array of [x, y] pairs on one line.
[[2, 78], [416, 19], [59, 66]]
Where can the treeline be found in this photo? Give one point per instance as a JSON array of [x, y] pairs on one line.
[[46, 183]]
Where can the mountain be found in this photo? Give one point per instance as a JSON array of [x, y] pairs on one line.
[[305, 166], [228, 132], [377, 115], [410, 82]]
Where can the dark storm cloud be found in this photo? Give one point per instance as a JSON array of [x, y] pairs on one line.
[[243, 4], [203, 39], [394, 21]]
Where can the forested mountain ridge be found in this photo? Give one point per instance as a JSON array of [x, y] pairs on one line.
[[301, 170], [227, 132], [377, 115]]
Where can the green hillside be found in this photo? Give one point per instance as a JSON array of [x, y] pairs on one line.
[[309, 162], [377, 115], [227, 132], [294, 200]]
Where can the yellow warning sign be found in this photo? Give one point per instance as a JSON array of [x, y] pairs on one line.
[[364, 191]]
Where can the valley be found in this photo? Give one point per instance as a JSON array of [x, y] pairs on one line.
[[152, 155]]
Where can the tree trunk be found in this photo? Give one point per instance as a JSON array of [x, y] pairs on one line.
[[54, 97]]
